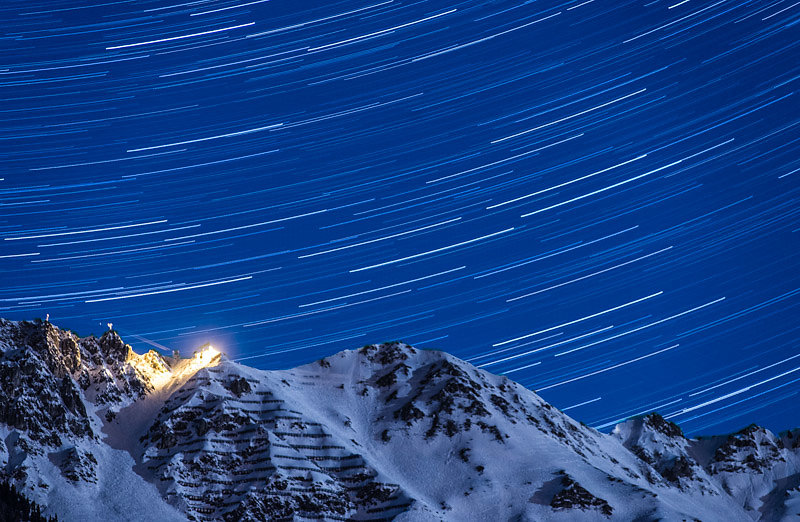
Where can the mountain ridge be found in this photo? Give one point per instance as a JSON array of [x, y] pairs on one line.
[[382, 432]]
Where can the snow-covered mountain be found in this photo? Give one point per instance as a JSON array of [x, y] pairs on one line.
[[94, 431]]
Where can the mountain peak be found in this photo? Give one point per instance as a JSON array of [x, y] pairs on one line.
[[387, 353], [384, 431]]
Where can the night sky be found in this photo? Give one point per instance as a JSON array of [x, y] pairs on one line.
[[599, 199]]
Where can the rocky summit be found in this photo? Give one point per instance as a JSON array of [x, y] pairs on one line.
[[91, 430]]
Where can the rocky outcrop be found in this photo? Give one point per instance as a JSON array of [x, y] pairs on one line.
[[51, 382], [383, 432], [574, 496]]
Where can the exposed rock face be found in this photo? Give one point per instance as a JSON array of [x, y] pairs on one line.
[[661, 444], [751, 449], [575, 496], [52, 386], [47, 377], [383, 432]]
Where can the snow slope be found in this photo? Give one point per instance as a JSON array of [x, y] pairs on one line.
[[97, 432]]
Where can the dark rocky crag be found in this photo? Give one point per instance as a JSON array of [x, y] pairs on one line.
[[49, 378]]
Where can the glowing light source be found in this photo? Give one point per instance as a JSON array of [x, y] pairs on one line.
[[162, 375], [206, 355]]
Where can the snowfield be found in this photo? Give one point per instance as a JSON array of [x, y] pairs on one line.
[[94, 431]]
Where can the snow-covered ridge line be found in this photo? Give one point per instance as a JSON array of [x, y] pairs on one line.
[[93, 430]]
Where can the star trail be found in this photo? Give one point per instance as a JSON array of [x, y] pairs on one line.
[[599, 199]]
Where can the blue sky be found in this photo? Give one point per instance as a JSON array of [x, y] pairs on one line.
[[598, 199]]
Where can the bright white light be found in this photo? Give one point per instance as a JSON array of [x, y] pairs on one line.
[[162, 376], [207, 355]]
